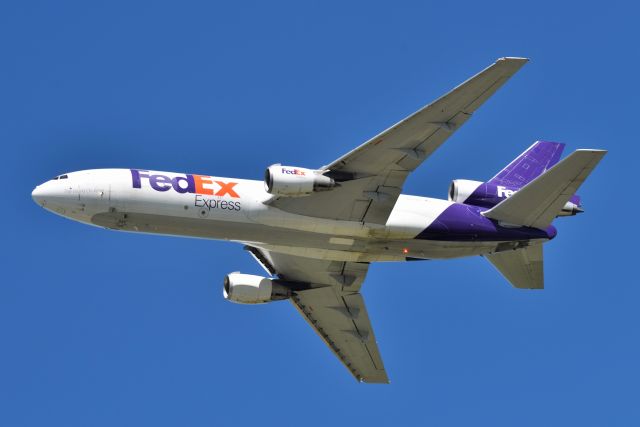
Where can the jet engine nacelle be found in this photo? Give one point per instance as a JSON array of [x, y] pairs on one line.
[[461, 189], [250, 289], [476, 193], [291, 181]]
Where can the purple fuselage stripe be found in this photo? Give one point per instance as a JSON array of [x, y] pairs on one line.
[[460, 222]]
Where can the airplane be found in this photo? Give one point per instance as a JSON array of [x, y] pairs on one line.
[[316, 231]]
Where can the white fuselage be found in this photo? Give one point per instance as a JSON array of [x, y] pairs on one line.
[[239, 210]]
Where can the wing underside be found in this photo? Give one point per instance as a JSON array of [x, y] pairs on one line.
[[342, 322], [333, 307]]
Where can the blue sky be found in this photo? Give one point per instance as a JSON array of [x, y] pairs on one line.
[[103, 328]]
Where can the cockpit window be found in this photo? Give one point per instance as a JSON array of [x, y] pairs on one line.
[[54, 178], [63, 177]]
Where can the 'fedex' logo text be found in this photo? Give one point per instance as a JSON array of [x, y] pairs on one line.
[[198, 184], [293, 172], [504, 191]]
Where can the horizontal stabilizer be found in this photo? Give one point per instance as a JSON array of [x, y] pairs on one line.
[[523, 268], [539, 202]]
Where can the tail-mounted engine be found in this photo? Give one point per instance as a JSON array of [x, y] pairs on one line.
[[250, 289], [460, 191], [291, 181]]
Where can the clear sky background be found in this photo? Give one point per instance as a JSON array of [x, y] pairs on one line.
[[100, 328]]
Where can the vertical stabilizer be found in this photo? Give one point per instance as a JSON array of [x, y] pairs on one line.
[[541, 156]]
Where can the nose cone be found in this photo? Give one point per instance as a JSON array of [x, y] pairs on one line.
[[38, 195], [51, 196]]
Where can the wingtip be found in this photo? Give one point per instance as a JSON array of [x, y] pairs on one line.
[[511, 64], [514, 59]]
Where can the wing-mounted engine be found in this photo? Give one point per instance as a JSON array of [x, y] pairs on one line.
[[289, 181], [249, 289]]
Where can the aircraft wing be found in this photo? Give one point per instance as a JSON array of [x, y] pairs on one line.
[[372, 175], [333, 307]]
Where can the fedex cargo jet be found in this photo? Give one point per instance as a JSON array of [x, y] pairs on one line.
[[316, 231]]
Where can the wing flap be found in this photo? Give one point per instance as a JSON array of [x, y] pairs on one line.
[[346, 276]]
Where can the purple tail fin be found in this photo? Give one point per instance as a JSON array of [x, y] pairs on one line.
[[541, 156]]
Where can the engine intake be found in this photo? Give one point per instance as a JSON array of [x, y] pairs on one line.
[[249, 289], [461, 189], [292, 181]]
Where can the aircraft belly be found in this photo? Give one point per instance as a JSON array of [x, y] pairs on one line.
[[301, 243], [206, 228]]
